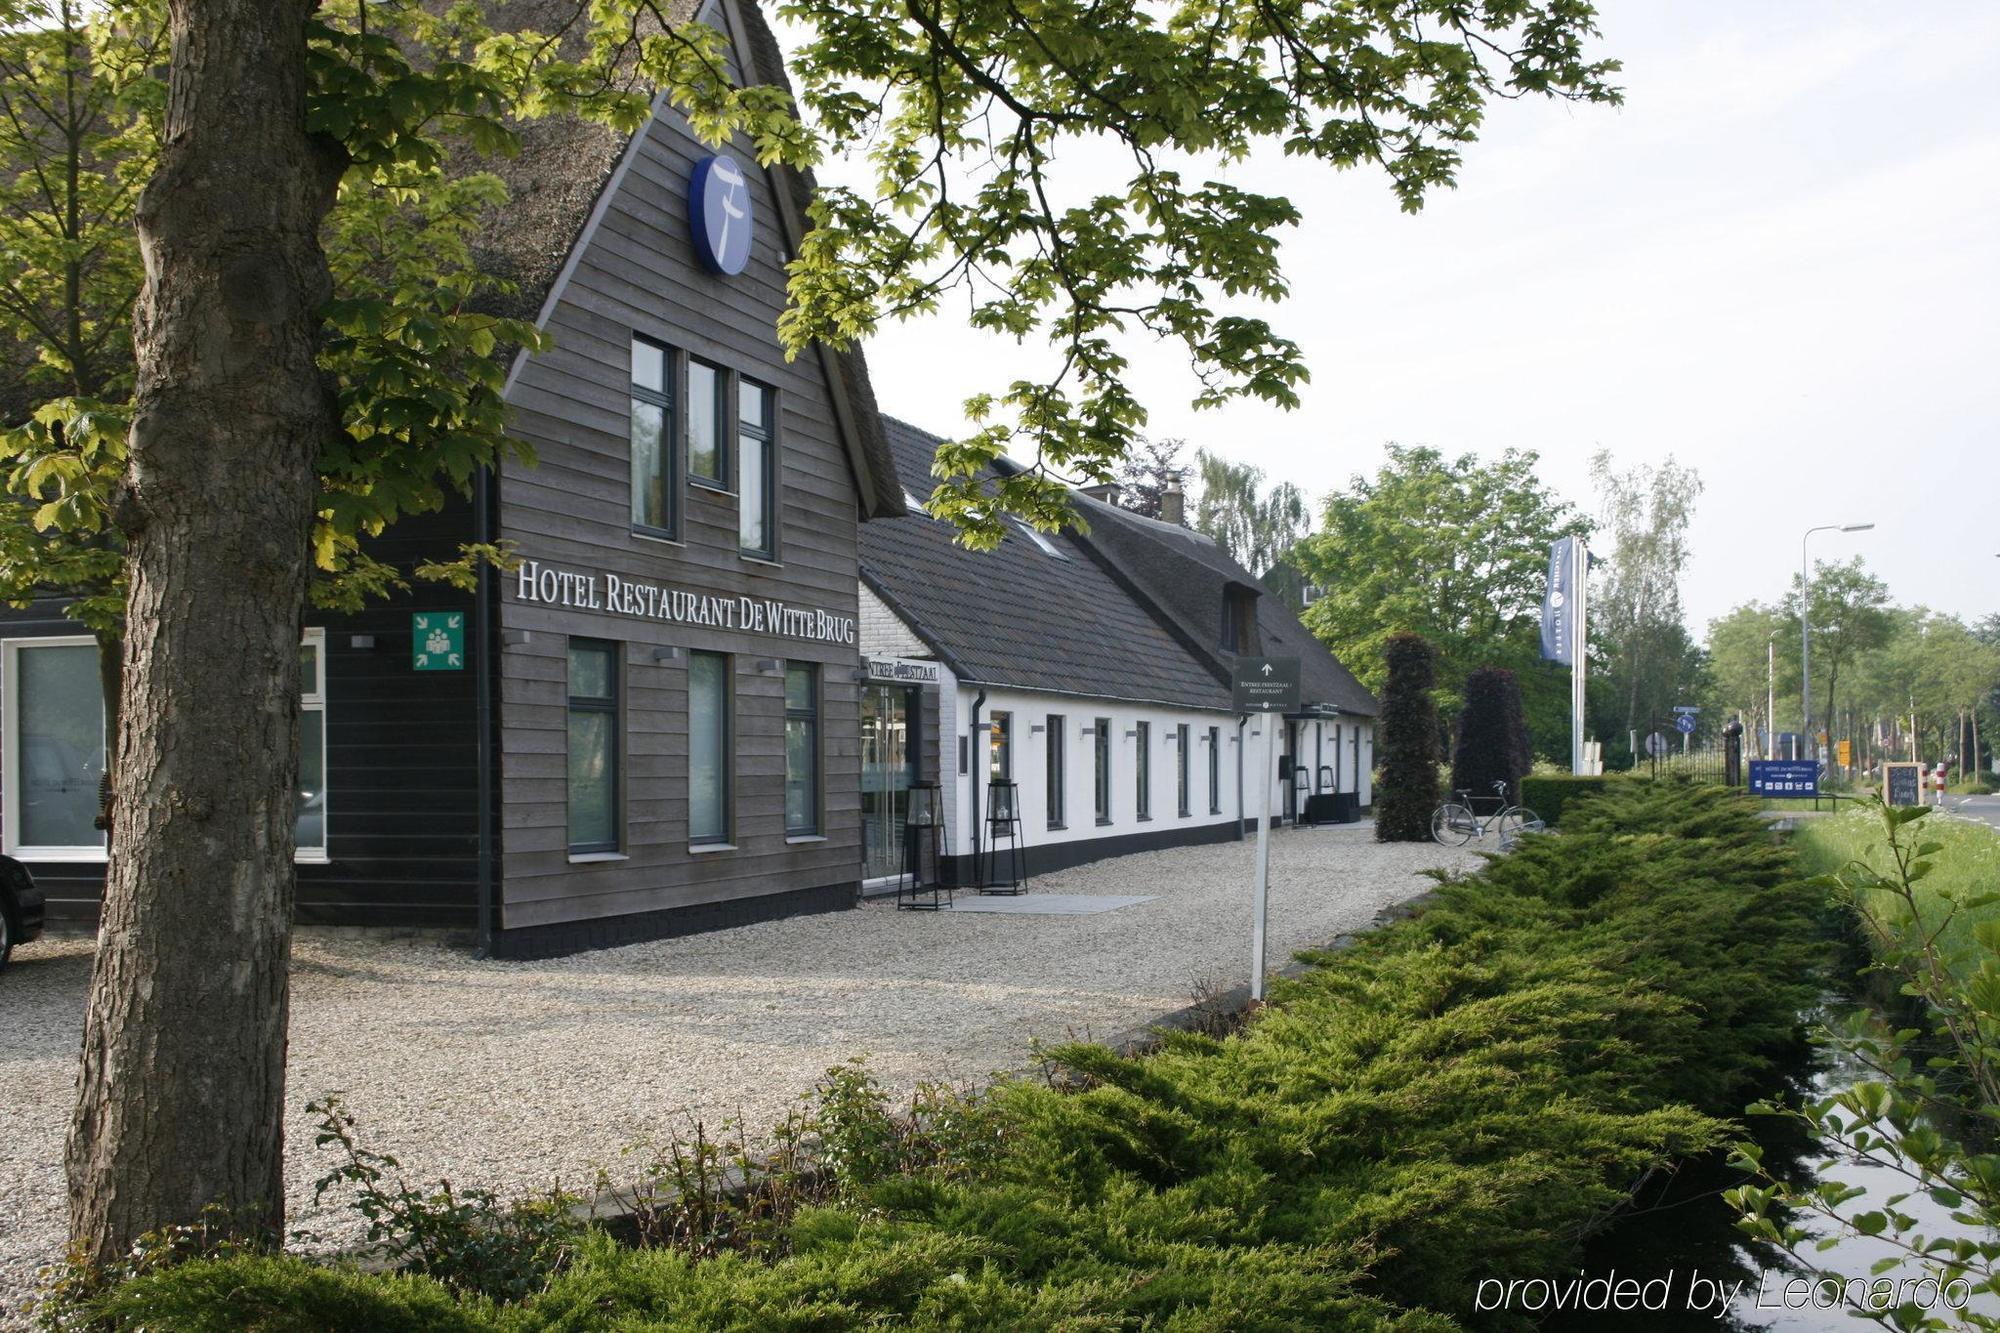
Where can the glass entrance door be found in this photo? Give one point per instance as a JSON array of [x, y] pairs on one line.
[[888, 767]]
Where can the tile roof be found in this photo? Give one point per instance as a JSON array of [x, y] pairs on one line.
[[1022, 617], [1186, 575]]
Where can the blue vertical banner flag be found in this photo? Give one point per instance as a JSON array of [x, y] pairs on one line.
[[1559, 604]]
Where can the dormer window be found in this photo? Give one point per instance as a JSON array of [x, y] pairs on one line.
[[1239, 620]]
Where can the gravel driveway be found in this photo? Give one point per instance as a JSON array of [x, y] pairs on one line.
[[516, 1074]]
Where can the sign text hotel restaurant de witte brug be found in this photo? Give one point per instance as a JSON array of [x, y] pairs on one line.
[[604, 591]]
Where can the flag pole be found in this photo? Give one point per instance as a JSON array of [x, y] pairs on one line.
[[1579, 590]]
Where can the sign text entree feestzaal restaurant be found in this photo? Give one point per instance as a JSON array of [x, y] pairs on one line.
[[548, 585]]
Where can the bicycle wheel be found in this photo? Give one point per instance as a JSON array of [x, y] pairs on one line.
[[1453, 825], [1516, 820]]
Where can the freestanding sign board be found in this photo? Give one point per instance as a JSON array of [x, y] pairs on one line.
[[1268, 685], [1784, 777], [1902, 784]]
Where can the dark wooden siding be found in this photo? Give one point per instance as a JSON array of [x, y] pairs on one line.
[[637, 275], [401, 780]]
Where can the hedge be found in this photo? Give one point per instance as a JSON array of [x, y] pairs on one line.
[[1458, 1095], [1549, 795]]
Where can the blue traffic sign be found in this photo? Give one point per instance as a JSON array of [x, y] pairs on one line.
[[1784, 777], [1685, 724]]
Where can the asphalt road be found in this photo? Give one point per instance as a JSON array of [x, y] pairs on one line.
[[1979, 807]]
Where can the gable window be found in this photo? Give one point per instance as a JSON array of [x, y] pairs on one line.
[[1182, 736], [801, 749], [653, 469], [1215, 770], [1143, 770], [1239, 620], [708, 748], [708, 445], [1103, 770], [592, 788], [52, 738], [1058, 776], [756, 471]]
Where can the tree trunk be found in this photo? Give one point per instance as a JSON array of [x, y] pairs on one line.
[[180, 1096]]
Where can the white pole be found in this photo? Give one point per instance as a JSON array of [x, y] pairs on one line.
[[1263, 859], [1579, 590]]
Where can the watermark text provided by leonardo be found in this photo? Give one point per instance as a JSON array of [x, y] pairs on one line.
[[1698, 1292]]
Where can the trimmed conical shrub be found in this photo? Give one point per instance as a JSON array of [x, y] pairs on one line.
[[1407, 794], [1492, 736]]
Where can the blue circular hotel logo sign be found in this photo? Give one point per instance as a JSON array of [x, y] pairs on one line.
[[719, 214]]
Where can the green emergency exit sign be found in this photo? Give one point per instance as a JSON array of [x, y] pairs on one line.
[[437, 640]]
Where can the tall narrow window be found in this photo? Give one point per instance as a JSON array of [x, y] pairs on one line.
[[708, 748], [1103, 770], [652, 439], [708, 445], [1215, 770], [801, 748], [756, 471], [1181, 761], [593, 746], [1058, 775], [1142, 771], [309, 817], [1000, 765]]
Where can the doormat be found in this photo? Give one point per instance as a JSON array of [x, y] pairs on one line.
[[1047, 904]]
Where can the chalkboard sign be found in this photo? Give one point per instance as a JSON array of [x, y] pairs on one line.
[[1902, 784]]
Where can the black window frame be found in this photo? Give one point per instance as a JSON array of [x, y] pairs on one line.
[[1103, 774], [1215, 770], [724, 479], [1184, 737], [1142, 771], [811, 717], [1057, 760], [765, 441], [613, 704], [726, 795], [665, 399]]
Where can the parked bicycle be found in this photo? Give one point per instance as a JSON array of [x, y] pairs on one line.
[[1456, 823]]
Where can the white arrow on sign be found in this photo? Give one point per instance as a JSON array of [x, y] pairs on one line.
[[1267, 669]]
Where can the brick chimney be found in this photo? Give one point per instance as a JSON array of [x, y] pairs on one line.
[[1107, 491], [1173, 505]]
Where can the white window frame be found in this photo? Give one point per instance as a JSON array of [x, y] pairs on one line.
[[10, 748], [312, 699], [10, 780]]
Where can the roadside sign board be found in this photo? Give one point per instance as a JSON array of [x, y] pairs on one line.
[[1844, 752], [1266, 684], [1656, 744], [1902, 784], [437, 640], [1685, 724], [1784, 777]]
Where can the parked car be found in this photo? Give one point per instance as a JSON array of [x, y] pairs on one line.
[[20, 907]]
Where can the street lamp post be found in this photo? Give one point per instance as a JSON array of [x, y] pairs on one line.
[[1805, 620]]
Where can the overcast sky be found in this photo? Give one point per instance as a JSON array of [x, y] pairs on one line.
[[1778, 261]]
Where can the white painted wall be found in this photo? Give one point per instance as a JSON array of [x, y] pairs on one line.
[[1029, 710]]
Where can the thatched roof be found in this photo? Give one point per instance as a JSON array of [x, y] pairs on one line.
[[565, 164]]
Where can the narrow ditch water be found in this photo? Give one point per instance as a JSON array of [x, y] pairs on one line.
[[1680, 1242]]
